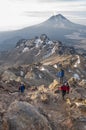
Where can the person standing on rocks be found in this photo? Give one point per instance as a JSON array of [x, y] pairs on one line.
[[22, 88], [65, 89], [60, 74]]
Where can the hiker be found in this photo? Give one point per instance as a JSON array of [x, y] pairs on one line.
[[60, 74], [64, 89], [68, 88], [22, 88]]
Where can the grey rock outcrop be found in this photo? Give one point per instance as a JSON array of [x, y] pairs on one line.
[[8, 75], [23, 116]]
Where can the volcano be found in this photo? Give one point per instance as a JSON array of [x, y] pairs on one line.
[[56, 27]]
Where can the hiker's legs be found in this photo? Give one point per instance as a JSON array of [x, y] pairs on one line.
[[61, 80], [63, 94]]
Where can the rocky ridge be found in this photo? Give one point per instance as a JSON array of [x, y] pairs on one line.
[[41, 106], [34, 50]]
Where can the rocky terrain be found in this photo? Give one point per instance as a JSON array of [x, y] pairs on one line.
[[36, 62]]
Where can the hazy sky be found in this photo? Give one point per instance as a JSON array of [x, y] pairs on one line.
[[15, 14]]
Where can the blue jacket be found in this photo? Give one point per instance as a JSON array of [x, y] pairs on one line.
[[60, 73], [22, 88]]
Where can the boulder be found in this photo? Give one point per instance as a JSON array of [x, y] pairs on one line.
[[29, 75], [44, 98], [23, 116], [8, 75], [79, 123], [42, 88], [83, 108], [19, 79], [83, 83], [54, 85]]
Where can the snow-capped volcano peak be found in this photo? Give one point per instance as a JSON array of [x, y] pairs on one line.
[[58, 17], [59, 21]]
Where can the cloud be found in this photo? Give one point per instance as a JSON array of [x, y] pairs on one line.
[[37, 13], [25, 12], [50, 12], [48, 1]]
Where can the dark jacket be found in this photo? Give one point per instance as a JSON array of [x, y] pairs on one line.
[[22, 88]]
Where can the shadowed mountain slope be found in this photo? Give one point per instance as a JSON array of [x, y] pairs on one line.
[[56, 27]]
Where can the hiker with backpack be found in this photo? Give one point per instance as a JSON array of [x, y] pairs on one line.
[[60, 74], [22, 88], [65, 89]]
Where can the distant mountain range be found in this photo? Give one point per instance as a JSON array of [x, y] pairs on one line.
[[56, 27]]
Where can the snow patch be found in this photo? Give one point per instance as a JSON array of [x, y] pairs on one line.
[[69, 70], [76, 76], [38, 53], [21, 73], [53, 50], [55, 66], [40, 76], [50, 53], [47, 55], [38, 42], [50, 42], [77, 62], [42, 69], [26, 49]]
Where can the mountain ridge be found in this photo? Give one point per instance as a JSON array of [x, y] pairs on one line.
[[36, 63]]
